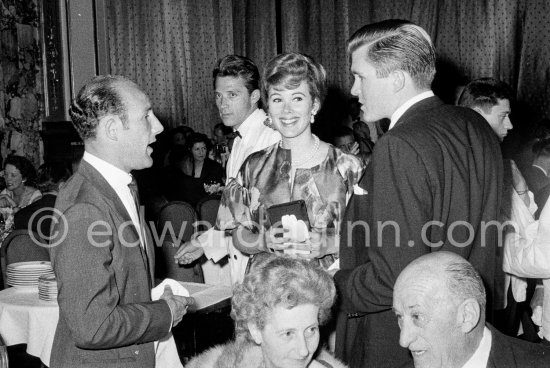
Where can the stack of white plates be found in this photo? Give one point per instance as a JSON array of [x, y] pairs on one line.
[[26, 274], [47, 287]]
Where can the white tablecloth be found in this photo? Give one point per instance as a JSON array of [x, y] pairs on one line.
[[25, 319]]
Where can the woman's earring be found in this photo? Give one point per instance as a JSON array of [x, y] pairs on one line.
[[268, 122], [312, 118]]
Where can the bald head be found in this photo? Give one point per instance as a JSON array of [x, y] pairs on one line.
[[457, 275], [439, 301]]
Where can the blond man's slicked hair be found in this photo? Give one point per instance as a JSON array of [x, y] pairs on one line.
[[397, 45]]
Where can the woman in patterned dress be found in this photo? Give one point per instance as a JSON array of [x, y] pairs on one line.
[[299, 167]]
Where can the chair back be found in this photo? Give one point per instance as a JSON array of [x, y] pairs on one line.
[[3, 354], [207, 209], [154, 206], [176, 226], [22, 245]]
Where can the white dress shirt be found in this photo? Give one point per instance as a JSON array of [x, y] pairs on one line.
[[403, 108], [255, 136], [119, 181], [527, 254], [481, 355]]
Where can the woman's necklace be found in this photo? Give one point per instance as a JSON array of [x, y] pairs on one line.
[[297, 163]]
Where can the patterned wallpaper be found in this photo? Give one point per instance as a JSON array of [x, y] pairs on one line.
[[20, 79]]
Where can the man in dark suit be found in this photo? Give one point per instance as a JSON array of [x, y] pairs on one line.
[[100, 249], [491, 98], [440, 302], [434, 180]]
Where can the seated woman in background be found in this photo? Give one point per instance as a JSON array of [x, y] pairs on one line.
[[207, 175], [299, 167], [176, 137], [277, 312], [37, 216], [19, 174]]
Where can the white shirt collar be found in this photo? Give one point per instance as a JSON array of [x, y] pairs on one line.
[[481, 355], [111, 173], [401, 109], [118, 180], [255, 137], [250, 122]]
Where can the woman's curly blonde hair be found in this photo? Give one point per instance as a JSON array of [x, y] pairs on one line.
[[280, 281]]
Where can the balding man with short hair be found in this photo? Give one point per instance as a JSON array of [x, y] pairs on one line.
[[440, 301], [101, 249]]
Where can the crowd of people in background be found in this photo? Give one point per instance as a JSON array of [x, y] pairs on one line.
[[440, 289]]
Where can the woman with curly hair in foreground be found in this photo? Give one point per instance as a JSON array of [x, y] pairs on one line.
[[277, 311]]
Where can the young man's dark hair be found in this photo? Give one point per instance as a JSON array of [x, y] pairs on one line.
[[484, 93], [238, 66]]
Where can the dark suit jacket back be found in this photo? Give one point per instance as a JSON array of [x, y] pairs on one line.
[[439, 165]]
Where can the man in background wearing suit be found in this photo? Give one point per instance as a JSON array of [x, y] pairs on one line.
[[491, 98], [435, 177], [439, 300], [101, 252]]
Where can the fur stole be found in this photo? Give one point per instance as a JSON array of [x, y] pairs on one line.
[[244, 354]]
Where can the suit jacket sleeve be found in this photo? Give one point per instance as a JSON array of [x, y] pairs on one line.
[[400, 205], [91, 293]]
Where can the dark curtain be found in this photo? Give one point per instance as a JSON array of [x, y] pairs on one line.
[[170, 46]]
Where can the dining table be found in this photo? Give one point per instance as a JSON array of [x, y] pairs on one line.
[[26, 319]]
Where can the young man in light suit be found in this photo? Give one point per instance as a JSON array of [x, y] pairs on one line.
[[102, 254], [237, 92]]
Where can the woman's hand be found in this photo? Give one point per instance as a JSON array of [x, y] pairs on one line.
[[6, 201], [355, 150], [322, 242], [275, 239]]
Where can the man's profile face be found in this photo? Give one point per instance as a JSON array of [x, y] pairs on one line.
[[498, 118], [375, 94], [141, 130], [233, 100], [428, 321]]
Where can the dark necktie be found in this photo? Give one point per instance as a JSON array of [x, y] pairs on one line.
[[135, 194], [238, 134]]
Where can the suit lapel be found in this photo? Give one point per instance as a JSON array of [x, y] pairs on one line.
[[98, 181], [150, 254]]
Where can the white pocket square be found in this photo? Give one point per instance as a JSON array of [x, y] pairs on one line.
[[357, 190]]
